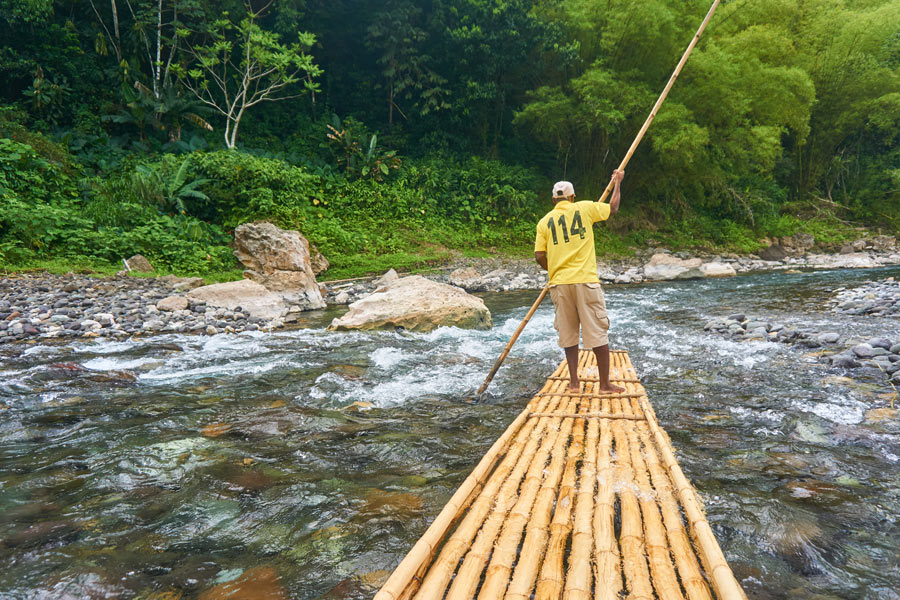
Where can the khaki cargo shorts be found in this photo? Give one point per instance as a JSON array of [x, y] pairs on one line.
[[580, 304]]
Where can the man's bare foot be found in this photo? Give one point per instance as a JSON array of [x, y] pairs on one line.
[[610, 389], [574, 387]]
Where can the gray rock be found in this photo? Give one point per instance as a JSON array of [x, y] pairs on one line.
[[775, 252], [210, 330], [757, 325], [105, 319], [880, 343], [173, 303], [138, 262], [863, 351], [845, 361], [60, 318], [829, 338], [153, 325], [739, 317]]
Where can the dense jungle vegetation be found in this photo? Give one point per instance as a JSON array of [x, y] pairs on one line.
[[394, 132]]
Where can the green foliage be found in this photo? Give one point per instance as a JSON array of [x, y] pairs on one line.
[[239, 65], [244, 188], [151, 186], [357, 153], [45, 212], [785, 119]]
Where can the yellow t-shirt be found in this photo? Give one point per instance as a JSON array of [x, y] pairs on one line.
[[566, 234]]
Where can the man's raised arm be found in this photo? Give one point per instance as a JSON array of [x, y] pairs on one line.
[[616, 193]]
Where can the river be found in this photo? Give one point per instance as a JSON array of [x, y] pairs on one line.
[[321, 457]]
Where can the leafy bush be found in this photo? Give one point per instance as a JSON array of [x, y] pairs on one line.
[[244, 188], [45, 212]]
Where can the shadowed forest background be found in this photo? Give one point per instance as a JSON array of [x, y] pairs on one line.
[[400, 134]]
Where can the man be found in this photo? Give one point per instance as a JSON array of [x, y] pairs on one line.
[[564, 246]]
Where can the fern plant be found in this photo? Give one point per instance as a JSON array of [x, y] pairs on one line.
[[171, 194]]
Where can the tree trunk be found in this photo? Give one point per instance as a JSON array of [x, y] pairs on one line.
[[157, 67], [115, 18]]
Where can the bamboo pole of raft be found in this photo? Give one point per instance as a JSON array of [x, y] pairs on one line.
[[497, 575], [688, 568], [662, 569], [717, 569], [440, 573], [418, 557], [550, 581], [631, 536], [609, 186], [578, 577], [512, 341], [468, 576], [538, 529], [607, 560]]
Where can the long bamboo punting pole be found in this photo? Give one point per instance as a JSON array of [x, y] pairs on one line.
[[609, 186], [512, 341], [550, 581], [607, 559]]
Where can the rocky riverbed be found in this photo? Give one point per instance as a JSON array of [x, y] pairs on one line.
[[43, 306], [834, 347], [878, 298]]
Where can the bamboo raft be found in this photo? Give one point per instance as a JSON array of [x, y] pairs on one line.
[[581, 497]]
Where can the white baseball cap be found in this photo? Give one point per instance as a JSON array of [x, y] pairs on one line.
[[563, 189]]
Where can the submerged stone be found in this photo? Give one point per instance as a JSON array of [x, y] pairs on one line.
[[261, 583]]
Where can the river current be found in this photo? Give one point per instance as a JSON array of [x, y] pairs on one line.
[[161, 467]]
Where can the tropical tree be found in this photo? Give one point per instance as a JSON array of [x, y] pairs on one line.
[[241, 65], [397, 39]]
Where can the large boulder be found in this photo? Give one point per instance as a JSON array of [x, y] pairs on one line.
[[417, 304], [799, 242], [280, 261], [717, 269], [465, 277], [663, 267], [252, 297], [884, 243], [774, 253], [852, 260], [139, 263], [317, 260]]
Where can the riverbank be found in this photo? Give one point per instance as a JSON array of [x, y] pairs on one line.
[[37, 305], [513, 274]]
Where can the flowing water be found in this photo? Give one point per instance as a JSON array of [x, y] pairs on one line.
[[323, 456]]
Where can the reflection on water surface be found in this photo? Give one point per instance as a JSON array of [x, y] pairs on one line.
[[309, 462]]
